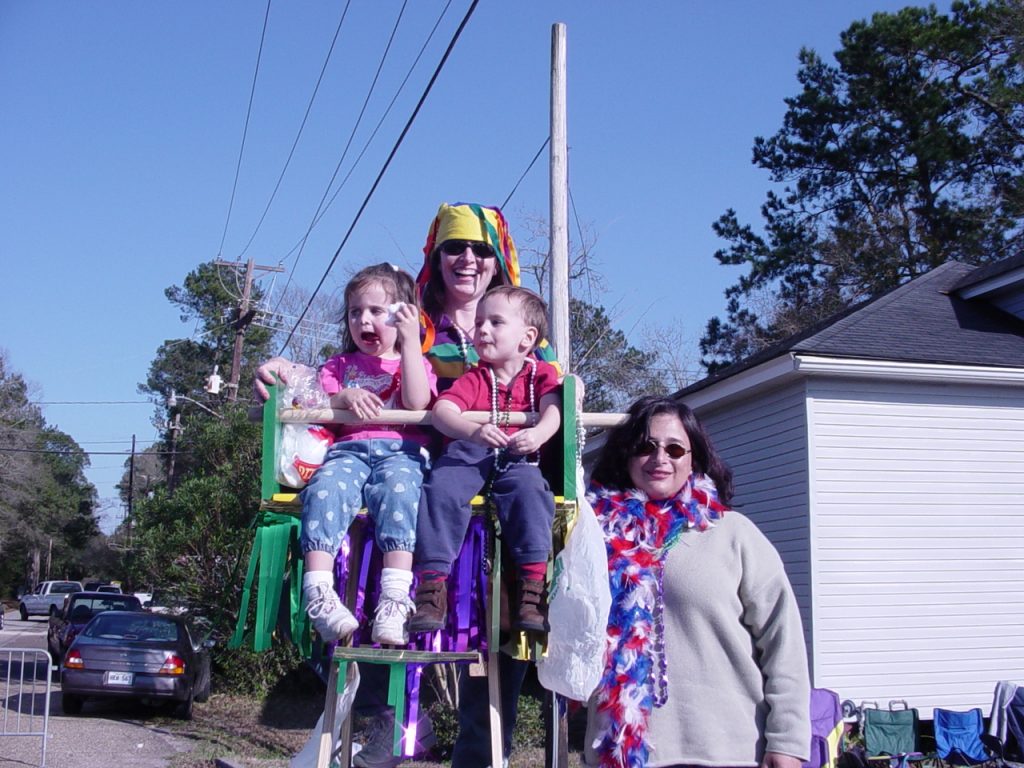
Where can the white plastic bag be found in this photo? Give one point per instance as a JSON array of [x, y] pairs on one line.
[[580, 600], [307, 756], [301, 452], [302, 447]]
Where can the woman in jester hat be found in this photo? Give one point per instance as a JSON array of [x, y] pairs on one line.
[[705, 663], [468, 250]]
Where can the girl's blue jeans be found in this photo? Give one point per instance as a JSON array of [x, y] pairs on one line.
[[382, 474]]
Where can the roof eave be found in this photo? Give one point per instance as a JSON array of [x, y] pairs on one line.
[[995, 284], [793, 365]]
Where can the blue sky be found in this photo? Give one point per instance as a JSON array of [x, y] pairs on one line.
[[122, 123]]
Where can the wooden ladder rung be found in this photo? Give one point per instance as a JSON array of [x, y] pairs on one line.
[[403, 655]]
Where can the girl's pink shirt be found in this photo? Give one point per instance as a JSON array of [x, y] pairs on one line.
[[377, 375]]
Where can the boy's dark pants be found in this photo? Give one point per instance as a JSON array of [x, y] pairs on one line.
[[521, 496], [526, 511]]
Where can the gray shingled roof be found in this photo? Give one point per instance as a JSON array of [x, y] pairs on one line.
[[921, 321]]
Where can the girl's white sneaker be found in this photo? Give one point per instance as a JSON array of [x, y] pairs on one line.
[[391, 619], [331, 619]]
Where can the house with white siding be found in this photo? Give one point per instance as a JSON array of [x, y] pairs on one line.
[[883, 454]]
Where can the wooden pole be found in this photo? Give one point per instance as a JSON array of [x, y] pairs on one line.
[[236, 355], [244, 318], [558, 240]]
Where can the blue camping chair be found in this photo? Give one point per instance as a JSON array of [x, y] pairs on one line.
[[958, 737]]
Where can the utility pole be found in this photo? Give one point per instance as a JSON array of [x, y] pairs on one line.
[[558, 240], [131, 492], [174, 428], [245, 316]]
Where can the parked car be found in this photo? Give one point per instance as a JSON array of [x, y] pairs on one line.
[[166, 601], [47, 598], [102, 586], [78, 610], [138, 655]]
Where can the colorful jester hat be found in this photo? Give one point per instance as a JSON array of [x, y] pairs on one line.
[[470, 221]]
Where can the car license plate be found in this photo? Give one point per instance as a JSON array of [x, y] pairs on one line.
[[119, 678]]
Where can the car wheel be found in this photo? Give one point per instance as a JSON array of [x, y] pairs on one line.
[[23, 611], [184, 710], [202, 692], [72, 705]]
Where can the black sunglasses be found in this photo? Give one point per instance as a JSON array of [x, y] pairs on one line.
[[674, 450], [458, 247]]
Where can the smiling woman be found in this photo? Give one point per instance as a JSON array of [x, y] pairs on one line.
[[703, 633]]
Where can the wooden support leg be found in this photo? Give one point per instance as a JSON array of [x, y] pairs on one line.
[[556, 737], [347, 673], [494, 694]]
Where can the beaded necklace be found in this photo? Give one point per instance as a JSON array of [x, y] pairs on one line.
[[501, 419], [463, 343]]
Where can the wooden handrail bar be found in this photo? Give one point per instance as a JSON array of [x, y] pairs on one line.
[[341, 416]]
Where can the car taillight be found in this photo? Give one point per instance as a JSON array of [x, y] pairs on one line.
[[173, 665], [74, 660]]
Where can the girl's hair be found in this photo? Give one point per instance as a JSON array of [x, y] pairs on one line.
[[433, 291], [612, 467], [396, 282]]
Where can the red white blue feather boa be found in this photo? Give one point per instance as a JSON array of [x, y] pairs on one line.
[[638, 534]]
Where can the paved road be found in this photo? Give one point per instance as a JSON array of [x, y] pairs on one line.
[[105, 734]]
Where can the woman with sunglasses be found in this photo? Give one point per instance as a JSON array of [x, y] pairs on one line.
[[705, 663], [468, 251]]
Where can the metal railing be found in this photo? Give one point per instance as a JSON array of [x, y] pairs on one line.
[[25, 689]]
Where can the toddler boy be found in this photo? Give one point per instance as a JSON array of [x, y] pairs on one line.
[[510, 321]]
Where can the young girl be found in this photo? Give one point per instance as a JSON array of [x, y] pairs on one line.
[[376, 465]]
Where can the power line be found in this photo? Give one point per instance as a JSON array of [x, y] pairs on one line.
[[391, 155], [362, 152], [583, 246], [387, 111], [546, 141], [91, 402], [348, 144], [112, 442], [72, 452], [302, 126], [245, 130]]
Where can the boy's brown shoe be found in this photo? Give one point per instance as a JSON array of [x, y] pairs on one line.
[[431, 606], [532, 611]]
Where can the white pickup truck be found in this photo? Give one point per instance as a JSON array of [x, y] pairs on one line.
[[47, 599]]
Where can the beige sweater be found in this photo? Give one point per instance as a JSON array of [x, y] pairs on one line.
[[737, 666]]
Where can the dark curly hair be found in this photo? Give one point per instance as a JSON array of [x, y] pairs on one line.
[[612, 467]]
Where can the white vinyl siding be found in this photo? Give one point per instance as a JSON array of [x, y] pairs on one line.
[[764, 441], [918, 540]]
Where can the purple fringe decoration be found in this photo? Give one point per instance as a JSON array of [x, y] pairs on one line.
[[466, 629]]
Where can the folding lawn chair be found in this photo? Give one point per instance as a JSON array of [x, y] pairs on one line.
[[958, 737], [891, 735], [826, 728], [1006, 724]]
